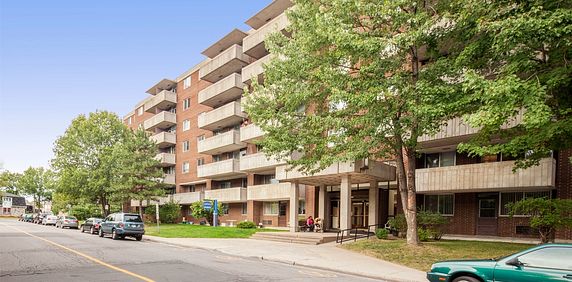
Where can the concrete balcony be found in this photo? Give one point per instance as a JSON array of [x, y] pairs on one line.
[[225, 116], [456, 131], [227, 195], [222, 170], [250, 133], [164, 139], [169, 179], [484, 177], [228, 89], [161, 201], [273, 10], [162, 120], [224, 64], [360, 171], [224, 142], [259, 162], [166, 159], [163, 101], [266, 192], [188, 198], [253, 44], [255, 70]]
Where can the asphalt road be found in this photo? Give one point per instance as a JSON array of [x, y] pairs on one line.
[[30, 252]]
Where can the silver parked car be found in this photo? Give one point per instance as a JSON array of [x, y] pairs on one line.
[[49, 220], [67, 221]]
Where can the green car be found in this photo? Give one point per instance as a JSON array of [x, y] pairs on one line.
[[549, 262]]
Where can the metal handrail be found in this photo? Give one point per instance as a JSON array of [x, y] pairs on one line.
[[340, 235]]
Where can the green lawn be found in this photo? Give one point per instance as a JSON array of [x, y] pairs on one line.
[[201, 231], [421, 257]]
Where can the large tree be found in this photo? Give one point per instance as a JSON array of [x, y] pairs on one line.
[[37, 183], [9, 182], [84, 159], [517, 57], [358, 79]]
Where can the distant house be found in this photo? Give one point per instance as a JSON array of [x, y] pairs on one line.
[[12, 205]]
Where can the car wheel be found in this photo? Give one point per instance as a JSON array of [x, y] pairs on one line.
[[139, 238], [100, 233], [466, 279], [91, 231], [114, 235]]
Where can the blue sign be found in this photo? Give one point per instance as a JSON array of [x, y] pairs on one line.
[[207, 205], [215, 214]]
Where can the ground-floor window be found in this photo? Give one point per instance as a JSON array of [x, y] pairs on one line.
[[225, 208], [6, 210], [302, 207], [443, 204], [270, 208], [513, 197], [244, 208]]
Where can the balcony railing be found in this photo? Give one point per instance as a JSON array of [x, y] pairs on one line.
[[224, 64], [169, 179], [253, 44], [227, 195], [188, 198], [255, 70], [227, 89], [225, 116], [250, 133], [485, 177], [258, 162], [162, 120], [224, 142], [226, 169], [164, 139], [275, 191], [166, 159], [163, 101]]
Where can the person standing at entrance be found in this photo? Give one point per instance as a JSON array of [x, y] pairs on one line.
[[310, 223]]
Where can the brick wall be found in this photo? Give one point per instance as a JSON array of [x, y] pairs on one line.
[[465, 215], [564, 184]]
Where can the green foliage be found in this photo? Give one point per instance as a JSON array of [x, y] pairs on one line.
[[516, 57], [435, 223], [169, 212], [246, 225], [424, 234], [198, 212], [399, 223], [9, 182], [381, 233], [38, 183], [546, 215], [84, 211]]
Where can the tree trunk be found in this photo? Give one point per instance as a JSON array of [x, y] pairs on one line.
[[407, 196], [141, 208]]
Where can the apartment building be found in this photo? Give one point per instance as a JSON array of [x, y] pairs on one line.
[[208, 151]]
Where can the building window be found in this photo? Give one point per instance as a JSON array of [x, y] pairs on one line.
[[186, 103], [200, 138], [270, 208], [187, 82], [225, 208], [244, 208], [443, 204], [440, 159], [130, 120], [140, 111], [225, 184], [506, 198], [200, 162], [186, 125], [170, 170], [186, 146], [302, 207], [186, 167], [140, 126]]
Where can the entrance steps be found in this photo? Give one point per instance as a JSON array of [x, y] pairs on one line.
[[308, 238]]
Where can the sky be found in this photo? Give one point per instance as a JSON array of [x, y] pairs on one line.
[[59, 59]]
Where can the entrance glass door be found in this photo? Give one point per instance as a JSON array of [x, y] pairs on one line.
[[335, 214], [360, 212], [487, 219]]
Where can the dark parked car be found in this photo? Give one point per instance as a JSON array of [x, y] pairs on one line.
[[549, 262], [121, 225], [66, 221], [91, 224], [28, 217]]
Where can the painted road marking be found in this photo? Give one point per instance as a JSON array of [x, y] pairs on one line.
[[86, 256]]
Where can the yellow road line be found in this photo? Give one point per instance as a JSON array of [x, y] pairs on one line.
[[86, 256]]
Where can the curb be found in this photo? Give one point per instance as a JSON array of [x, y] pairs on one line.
[[287, 262]]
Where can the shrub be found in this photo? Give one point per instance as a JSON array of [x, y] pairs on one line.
[[381, 233], [399, 223], [168, 212], [424, 234], [546, 215], [246, 225], [433, 222], [84, 211]]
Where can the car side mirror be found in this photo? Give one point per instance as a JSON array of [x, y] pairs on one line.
[[514, 262]]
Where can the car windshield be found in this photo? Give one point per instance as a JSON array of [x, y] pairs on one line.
[[132, 218], [97, 220], [70, 217]]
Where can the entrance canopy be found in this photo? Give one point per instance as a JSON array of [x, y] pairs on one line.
[[361, 171]]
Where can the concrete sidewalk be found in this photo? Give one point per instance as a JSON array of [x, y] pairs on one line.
[[325, 256]]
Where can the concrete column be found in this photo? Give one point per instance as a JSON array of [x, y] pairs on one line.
[[346, 203], [294, 196], [373, 203], [322, 203]]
